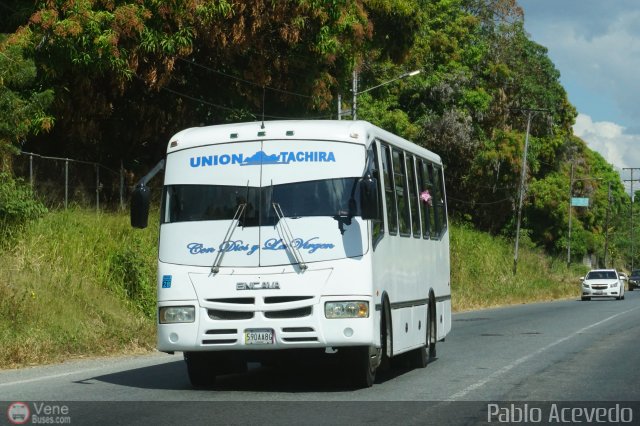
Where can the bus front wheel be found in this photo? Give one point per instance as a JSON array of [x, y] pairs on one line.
[[363, 365], [201, 368]]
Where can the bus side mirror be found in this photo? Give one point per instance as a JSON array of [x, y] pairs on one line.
[[369, 203], [140, 200]]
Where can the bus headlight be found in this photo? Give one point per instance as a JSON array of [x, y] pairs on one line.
[[174, 314], [349, 309]]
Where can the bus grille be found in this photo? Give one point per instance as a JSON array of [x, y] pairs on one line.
[[289, 313], [234, 300], [285, 299], [219, 341], [217, 314], [221, 337]]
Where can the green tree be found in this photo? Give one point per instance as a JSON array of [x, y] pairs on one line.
[[24, 109]]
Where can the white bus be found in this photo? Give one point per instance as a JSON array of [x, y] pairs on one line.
[[299, 236]]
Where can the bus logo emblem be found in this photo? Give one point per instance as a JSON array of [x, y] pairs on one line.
[[257, 285]]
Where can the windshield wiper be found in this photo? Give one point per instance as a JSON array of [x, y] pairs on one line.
[[232, 227], [288, 236]]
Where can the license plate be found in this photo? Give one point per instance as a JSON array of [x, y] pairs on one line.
[[259, 336], [598, 292]]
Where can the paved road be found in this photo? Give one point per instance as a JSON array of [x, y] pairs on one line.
[[561, 351]]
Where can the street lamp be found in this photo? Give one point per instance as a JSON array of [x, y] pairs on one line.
[[354, 107]]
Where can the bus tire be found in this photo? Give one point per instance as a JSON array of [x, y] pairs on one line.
[[362, 363], [432, 331], [419, 358], [386, 338], [200, 368]]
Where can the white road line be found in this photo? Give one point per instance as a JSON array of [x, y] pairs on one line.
[[509, 367], [52, 376]]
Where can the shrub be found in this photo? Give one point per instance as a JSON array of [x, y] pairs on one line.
[[128, 271], [18, 206]]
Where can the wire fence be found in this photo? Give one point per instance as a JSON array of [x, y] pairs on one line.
[[63, 182]]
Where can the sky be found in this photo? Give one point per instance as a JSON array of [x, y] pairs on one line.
[[595, 44]]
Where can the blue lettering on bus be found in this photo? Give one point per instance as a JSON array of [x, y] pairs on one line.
[[199, 248], [262, 158], [230, 246], [272, 244], [298, 243]]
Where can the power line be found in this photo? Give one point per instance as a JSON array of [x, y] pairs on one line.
[[192, 62], [226, 108], [479, 203]]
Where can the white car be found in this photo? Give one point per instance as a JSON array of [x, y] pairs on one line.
[[602, 283]]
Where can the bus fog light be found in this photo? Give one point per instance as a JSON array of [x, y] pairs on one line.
[[173, 337], [176, 314], [348, 332], [349, 309]]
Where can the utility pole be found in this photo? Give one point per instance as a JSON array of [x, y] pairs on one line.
[[570, 215], [354, 107], [632, 169], [354, 104], [530, 113], [606, 227], [572, 180]]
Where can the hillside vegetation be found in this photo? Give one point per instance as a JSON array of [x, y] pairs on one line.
[[77, 284], [111, 82]]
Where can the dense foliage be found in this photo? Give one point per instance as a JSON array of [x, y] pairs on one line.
[[111, 80], [17, 207]]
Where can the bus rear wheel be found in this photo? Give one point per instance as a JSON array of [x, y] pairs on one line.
[[432, 332], [419, 358]]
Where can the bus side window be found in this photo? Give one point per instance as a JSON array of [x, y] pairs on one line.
[[435, 196], [378, 225], [435, 231], [413, 195], [399, 173], [425, 188], [389, 190], [439, 201]]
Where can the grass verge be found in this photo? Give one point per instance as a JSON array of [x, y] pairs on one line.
[[66, 292], [79, 284], [482, 272]]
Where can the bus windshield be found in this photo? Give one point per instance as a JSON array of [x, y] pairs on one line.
[[326, 197]]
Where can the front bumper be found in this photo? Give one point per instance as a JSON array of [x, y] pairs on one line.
[[601, 292], [300, 327]]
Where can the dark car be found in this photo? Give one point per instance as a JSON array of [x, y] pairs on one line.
[[634, 279]]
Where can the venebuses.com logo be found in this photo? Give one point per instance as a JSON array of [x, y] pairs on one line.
[[20, 413]]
